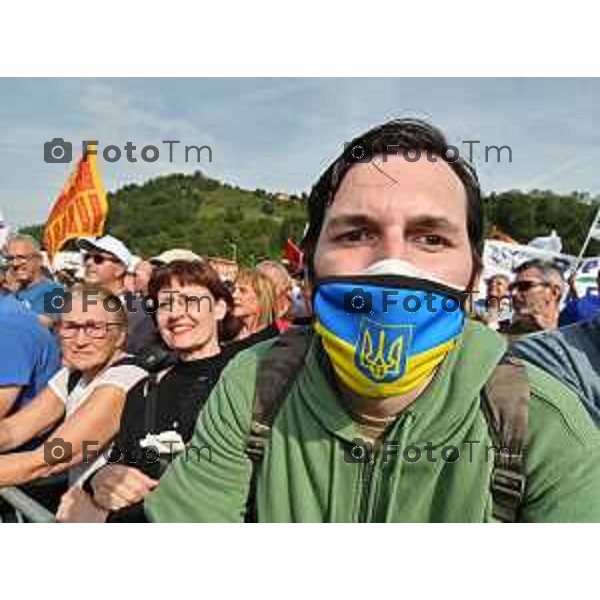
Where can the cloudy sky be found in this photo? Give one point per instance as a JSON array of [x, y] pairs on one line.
[[278, 134]]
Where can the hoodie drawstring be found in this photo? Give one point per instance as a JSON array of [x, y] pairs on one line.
[[406, 426]]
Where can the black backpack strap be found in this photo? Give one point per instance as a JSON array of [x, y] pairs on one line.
[[276, 373], [72, 381], [505, 403]]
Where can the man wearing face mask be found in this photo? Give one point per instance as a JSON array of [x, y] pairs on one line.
[[385, 417]]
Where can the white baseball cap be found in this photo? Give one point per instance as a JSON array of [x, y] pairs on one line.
[[168, 256], [108, 244], [133, 264]]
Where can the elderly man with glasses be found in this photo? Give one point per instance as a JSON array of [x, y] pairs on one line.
[[24, 262], [536, 293]]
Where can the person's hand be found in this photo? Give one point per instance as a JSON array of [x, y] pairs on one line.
[[572, 286], [77, 506], [117, 486]]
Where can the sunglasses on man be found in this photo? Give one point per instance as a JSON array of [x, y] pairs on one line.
[[99, 259], [525, 285]]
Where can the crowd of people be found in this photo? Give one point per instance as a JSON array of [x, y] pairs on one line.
[[305, 401], [81, 361]]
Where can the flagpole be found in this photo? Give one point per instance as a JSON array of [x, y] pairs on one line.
[[587, 240]]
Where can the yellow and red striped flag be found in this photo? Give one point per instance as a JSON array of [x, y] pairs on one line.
[[80, 209]]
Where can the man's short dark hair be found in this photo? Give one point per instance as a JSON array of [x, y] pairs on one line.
[[394, 137], [549, 272]]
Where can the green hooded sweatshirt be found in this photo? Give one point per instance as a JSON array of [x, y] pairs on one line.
[[308, 475]]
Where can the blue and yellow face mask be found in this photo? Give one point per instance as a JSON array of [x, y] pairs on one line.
[[386, 330]]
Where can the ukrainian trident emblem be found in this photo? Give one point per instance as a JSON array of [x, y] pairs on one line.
[[382, 350]]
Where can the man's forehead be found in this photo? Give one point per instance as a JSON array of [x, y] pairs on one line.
[[421, 187], [498, 279], [533, 273], [396, 170], [20, 245]]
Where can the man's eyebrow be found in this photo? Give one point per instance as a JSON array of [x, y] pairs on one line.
[[431, 222], [350, 220], [427, 222]]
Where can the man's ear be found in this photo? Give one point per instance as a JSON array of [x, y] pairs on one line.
[[556, 291], [122, 271], [220, 309]]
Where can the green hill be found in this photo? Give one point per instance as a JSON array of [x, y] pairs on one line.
[[204, 215]]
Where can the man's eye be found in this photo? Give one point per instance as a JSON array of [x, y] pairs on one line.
[[432, 240], [355, 235]]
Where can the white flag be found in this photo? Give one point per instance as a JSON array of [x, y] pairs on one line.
[[595, 230], [551, 243]]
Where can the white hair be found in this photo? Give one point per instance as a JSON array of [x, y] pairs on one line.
[[23, 237]]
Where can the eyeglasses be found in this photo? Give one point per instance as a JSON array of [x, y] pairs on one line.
[[525, 285], [93, 329], [18, 257], [99, 259]]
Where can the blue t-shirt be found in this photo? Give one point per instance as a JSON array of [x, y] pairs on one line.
[[33, 295], [10, 306], [579, 310], [29, 355]]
